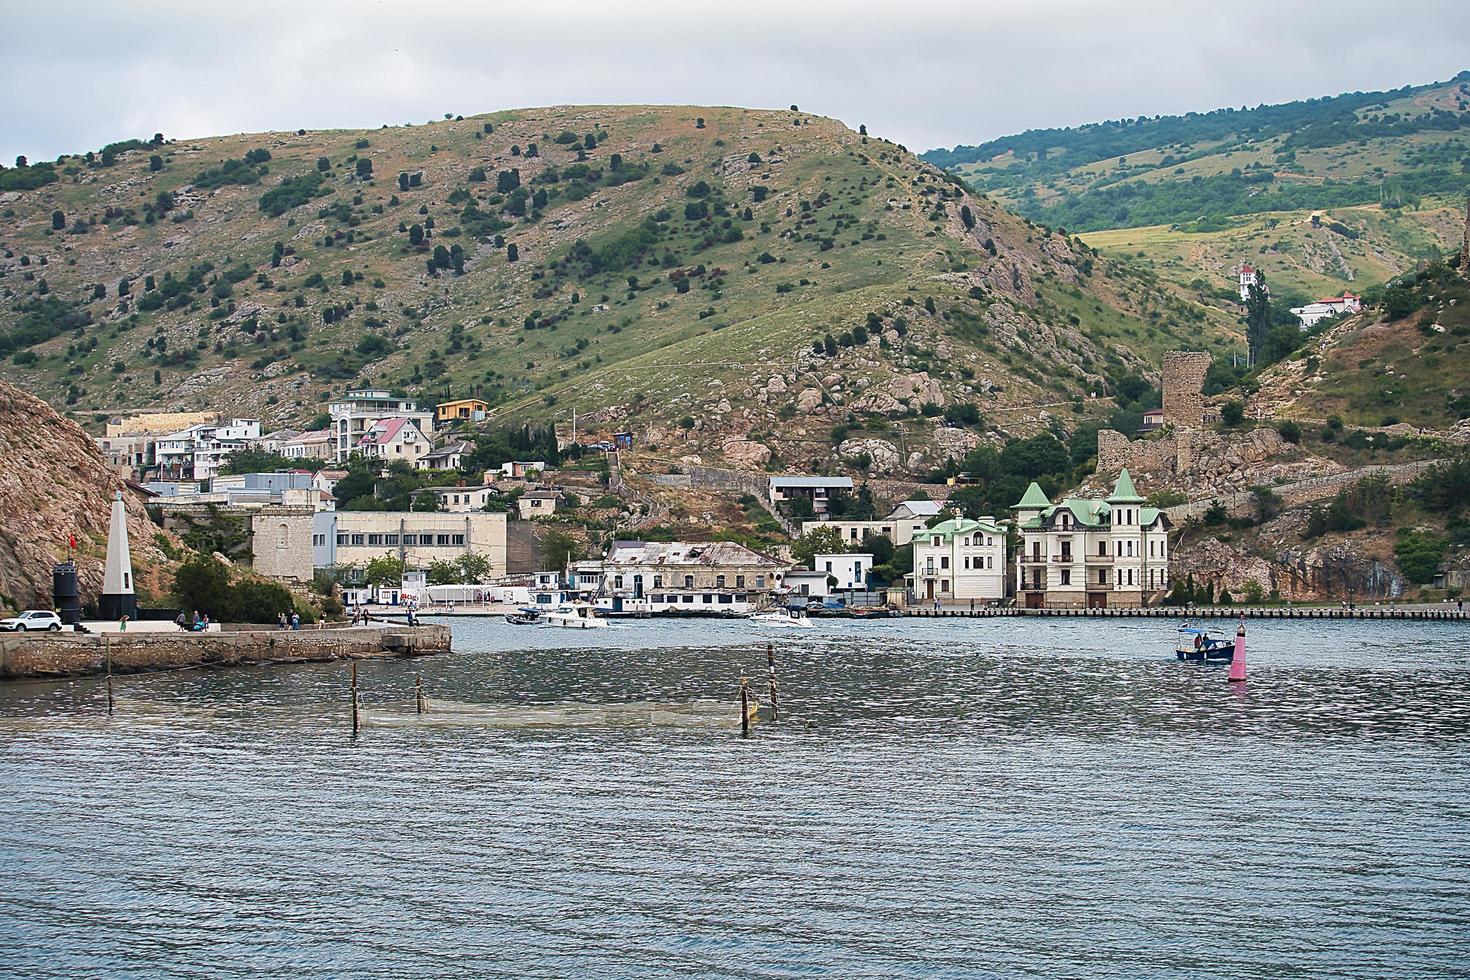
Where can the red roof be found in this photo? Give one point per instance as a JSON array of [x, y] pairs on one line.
[[1246, 270]]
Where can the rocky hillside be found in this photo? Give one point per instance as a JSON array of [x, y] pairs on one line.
[[56, 485], [733, 282]]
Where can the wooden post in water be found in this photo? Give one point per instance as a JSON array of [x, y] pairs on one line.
[[418, 686], [107, 655], [744, 708], [354, 698], [771, 664]]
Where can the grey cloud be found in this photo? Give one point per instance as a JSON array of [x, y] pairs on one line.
[[86, 72]]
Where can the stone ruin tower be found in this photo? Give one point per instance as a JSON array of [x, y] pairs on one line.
[[1183, 383]]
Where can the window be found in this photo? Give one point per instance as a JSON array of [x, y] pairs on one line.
[[444, 540], [390, 539], [934, 543], [760, 581], [944, 561], [1066, 576], [725, 598], [1102, 549], [358, 540], [944, 586], [658, 581], [457, 539], [720, 579], [1102, 576], [342, 540], [740, 581], [375, 539], [127, 580], [707, 599], [688, 581], [686, 598], [284, 536], [617, 581]]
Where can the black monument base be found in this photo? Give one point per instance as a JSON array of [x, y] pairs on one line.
[[110, 607]]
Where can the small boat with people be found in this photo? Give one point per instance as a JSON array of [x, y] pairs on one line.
[[783, 618], [1197, 646], [574, 615], [524, 616]]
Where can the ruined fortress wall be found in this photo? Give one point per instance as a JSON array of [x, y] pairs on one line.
[[1183, 384], [1115, 451]]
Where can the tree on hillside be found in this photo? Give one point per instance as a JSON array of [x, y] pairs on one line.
[[557, 550], [1257, 317], [58, 221], [364, 168]]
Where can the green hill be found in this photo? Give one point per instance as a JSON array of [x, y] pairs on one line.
[[1325, 195], [762, 274]]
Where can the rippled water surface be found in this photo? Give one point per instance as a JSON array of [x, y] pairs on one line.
[[955, 798]]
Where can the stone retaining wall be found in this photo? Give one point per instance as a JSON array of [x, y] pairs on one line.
[[72, 653]]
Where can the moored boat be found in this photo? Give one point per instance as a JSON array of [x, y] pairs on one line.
[[525, 616]]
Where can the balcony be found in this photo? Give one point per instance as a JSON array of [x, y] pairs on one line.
[[1064, 559], [1099, 559], [1032, 559]]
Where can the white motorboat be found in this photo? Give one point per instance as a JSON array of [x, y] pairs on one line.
[[783, 617], [576, 615]]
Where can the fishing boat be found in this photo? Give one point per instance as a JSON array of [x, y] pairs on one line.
[[1197, 646], [525, 616], [575, 615], [784, 618]]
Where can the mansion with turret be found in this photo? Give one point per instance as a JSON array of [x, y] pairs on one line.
[[1082, 553]]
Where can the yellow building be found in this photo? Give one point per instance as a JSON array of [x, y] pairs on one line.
[[464, 409]]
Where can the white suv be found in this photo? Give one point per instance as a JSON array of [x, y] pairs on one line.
[[32, 619]]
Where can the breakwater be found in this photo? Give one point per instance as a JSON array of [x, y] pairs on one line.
[[63, 654], [1203, 612]]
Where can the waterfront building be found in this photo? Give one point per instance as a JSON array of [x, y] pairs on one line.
[[289, 543], [516, 469], [1093, 554], [709, 577], [356, 412], [849, 571], [960, 560]]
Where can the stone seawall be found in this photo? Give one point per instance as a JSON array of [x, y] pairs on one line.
[[63, 654]]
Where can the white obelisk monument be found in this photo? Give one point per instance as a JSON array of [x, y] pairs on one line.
[[118, 598]]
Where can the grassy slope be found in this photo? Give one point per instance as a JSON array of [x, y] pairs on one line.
[[1303, 259], [1038, 321]]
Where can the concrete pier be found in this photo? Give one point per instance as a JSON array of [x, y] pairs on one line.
[[1445, 614], [65, 654]]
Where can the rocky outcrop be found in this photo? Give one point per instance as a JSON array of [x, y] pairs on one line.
[[745, 453], [57, 484]]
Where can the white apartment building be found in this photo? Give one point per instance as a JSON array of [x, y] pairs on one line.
[[460, 500], [1093, 554], [959, 560], [317, 444], [289, 542], [816, 489], [907, 520], [851, 571], [354, 414]]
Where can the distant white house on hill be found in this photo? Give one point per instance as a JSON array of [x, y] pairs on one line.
[[1314, 313]]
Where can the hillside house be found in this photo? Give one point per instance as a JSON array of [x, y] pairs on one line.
[[394, 439], [459, 500], [316, 444], [906, 520], [537, 503], [446, 457], [461, 410], [816, 490], [1314, 313], [356, 412]]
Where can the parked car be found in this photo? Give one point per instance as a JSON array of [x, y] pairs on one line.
[[32, 619]]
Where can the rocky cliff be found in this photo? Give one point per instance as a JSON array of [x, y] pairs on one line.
[[54, 483]]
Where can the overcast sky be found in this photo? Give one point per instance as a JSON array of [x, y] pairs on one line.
[[80, 73]]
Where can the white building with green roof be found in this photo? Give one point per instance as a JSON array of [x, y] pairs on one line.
[[960, 560], [1094, 554]]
